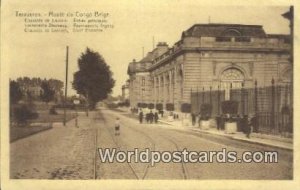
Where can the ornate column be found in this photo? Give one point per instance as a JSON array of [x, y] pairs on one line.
[[158, 89], [164, 89], [170, 87], [175, 87], [154, 89]]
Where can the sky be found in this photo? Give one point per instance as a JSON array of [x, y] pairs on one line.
[[135, 25]]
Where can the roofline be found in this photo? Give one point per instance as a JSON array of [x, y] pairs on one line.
[[223, 24], [278, 35], [227, 24]]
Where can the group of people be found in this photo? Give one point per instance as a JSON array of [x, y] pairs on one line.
[[196, 119], [149, 117], [245, 124], [134, 110]]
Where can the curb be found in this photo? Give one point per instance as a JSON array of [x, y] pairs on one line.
[[246, 140], [265, 144], [232, 137]]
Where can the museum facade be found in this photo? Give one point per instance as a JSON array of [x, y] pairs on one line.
[[210, 57]]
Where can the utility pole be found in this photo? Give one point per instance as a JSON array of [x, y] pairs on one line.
[[66, 86]]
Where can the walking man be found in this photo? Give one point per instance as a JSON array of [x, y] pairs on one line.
[[117, 127], [156, 117], [247, 125], [151, 117], [141, 115], [193, 119]]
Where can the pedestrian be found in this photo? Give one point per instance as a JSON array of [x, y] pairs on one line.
[[219, 118], [198, 120], [254, 123], [117, 127], [147, 117], [141, 116], [193, 119], [156, 117], [247, 126], [239, 123], [151, 117], [162, 113]]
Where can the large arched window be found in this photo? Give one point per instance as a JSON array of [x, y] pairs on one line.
[[231, 77], [231, 32]]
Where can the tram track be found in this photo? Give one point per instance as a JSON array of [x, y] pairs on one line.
[[183, 165], [153, 145]]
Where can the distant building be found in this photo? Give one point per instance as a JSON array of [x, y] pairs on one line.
[[210, 56], [140, 80], [31, 87], [125, 91]]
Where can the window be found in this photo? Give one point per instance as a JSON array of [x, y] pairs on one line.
[[287, 40], [242, 39], [223, 39], [231, 32], [231, 77], [228, 34], [143, 81], [142, 94]]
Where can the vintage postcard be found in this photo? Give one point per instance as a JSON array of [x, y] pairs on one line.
[[147, 94]]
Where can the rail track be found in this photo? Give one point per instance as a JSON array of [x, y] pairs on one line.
[[152, 148]]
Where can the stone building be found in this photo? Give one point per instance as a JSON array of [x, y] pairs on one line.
[[210, 56], [125, 91]]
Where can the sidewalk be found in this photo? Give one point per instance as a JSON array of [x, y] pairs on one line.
[[255, 138], [67, 152]]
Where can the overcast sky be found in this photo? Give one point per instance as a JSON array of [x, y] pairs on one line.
[[136, 22]]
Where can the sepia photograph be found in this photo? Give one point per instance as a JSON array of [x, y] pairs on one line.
[[147, 94]]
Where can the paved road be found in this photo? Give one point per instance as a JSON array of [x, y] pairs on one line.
[[70, 153]]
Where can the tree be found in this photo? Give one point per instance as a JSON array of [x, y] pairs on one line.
[[15, 92], [56, 85], [47, 94], [94, 79], [23, 113]]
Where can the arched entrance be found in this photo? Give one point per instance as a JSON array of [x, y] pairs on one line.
[[231, 78]]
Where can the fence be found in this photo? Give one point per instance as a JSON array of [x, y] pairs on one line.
[[272, 105]]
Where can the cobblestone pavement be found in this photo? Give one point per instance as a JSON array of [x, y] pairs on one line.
[[71, 153]]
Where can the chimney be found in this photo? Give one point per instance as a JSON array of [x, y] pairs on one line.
[[161, 48]]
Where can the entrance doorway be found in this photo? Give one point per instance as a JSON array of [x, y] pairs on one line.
[[231, 78]]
